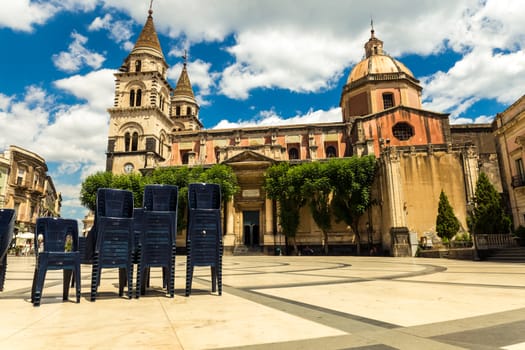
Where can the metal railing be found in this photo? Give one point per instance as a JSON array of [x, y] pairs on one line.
[[494, 241]]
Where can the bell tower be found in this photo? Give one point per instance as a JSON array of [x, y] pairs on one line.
[[184, 106], [140, 120]]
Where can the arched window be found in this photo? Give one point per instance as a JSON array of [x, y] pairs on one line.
[[388, 100], [132, 98], [138, 65], [127, 140], [161, 151], [188, 111], [177, 111], [138, 102], [135, 141], [330, 152], [293, 153], [403, 131]]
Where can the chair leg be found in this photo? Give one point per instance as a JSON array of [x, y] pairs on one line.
[[67, 280], [138, 286], [219, 276], [40, 278], [213, 279], [144, 283], [189, 277], [130, 280], [122, 281], [95, 278], [77, 282], [3, 268], [33, 286]]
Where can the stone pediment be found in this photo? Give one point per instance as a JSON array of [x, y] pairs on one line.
[[249, 157]]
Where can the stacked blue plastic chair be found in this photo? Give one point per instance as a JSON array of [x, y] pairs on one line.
[[7, 224], [60, 253], [114, 238], [204, 236], [157, 246]]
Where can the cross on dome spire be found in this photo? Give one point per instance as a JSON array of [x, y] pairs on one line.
[[150, 11], [185, 57]]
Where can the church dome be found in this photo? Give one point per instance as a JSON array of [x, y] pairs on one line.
[[378, 66]]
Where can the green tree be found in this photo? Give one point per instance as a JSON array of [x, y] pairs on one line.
[[283, 184], [179, 176], [88, 191], [447, 224], [317, 189], [131, 182], [488, 215], [352, 179]]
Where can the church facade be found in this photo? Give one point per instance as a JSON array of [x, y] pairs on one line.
[[153, 124]]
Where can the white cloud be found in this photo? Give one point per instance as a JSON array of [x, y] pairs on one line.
[[312, 61], [481, 74], [23, 15], [119, 31], [270, 118], [77, 56], [97, 88]]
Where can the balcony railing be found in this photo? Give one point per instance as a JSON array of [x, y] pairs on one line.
[[518, 181]]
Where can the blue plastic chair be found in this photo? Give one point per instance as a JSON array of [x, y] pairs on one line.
[[158, 225], [60, 253], [7, 224], [204, 236], [113, 238]]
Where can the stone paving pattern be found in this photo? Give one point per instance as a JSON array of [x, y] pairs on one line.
[[280, 302]]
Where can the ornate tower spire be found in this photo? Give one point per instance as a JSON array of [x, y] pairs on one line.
[[148, 39], [184, 87]]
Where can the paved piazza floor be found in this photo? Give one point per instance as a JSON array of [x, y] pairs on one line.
[[280, 302]]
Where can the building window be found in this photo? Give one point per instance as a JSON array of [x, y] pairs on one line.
[[20, 176], [188, 111], [293, 153], [138, 65], [127, 141], [138, 101], [519, 179], [388, 100], [132, 98], [135, 141], [403, 131], [330, 152], [177, 110]]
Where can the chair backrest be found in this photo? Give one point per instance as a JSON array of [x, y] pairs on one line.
[[7, 225], [204, 196], [161, 197], [59, 234], [114, 203]]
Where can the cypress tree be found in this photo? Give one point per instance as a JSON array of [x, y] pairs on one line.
[[447, 224], [488, 215]]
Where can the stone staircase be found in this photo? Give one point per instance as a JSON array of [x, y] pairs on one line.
[[513, 254]]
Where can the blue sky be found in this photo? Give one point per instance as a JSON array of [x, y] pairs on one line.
[[250, 62]]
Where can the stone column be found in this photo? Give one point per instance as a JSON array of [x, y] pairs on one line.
[[229, 236], [470, 168], [395, 193]]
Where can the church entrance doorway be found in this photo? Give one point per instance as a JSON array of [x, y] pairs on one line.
[[250, 221]]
